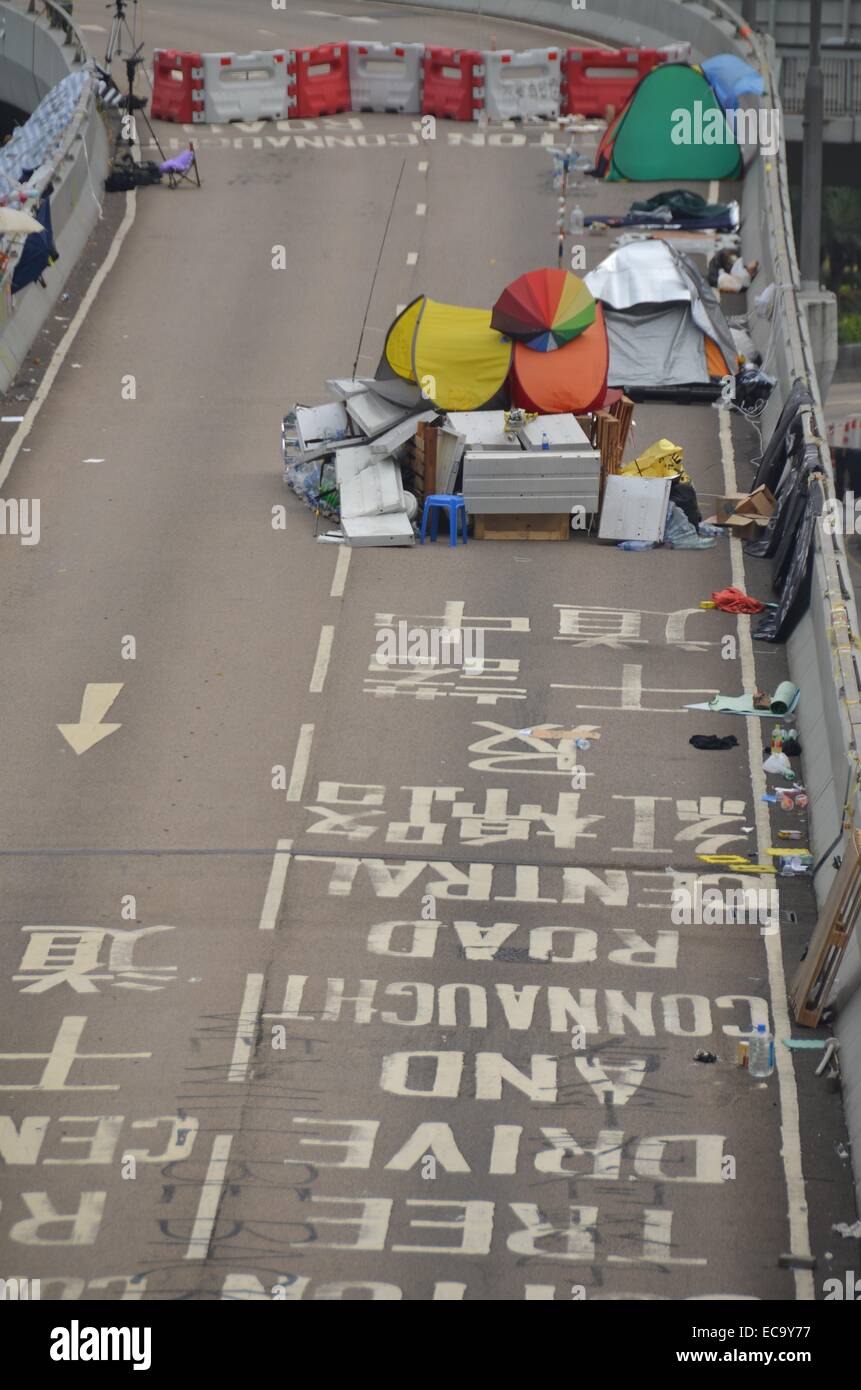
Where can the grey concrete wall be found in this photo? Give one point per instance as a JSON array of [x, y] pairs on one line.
[[821, 651], [34, 57]]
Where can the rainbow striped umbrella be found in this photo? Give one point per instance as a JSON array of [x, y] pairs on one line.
[[544, 309]]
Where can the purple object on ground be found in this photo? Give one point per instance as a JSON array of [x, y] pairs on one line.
[[179, 164]]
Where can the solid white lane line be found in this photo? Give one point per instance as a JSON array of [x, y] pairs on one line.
[[246, 1028], [300, 763], [341, 567], [207, 1209], [62, 350], [412, 257], [321, 662], [275, 887], [790, 1127]]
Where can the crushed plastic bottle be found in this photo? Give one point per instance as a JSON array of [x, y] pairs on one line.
[[760, 1057], [577, 221]]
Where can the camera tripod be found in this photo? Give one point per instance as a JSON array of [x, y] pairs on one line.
[[121, 28], [133, 107]]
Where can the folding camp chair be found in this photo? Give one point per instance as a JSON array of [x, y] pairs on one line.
[[181, 169]]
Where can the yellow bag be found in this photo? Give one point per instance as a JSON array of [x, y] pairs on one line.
[[660, 460]]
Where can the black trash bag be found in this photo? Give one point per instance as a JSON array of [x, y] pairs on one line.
[[685, 497], [752, 390]]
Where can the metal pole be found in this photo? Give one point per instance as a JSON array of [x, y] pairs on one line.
[[811, 180]]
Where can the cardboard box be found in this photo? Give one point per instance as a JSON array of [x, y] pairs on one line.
[[745, 528], [746, 514], [726, 507], [760, 502]]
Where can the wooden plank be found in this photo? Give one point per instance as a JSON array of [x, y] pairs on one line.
[[815, 976], [520, 527]]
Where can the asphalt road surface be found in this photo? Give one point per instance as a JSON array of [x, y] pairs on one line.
[[320, 980]]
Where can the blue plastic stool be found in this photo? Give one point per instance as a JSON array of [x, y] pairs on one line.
[[455, 506]]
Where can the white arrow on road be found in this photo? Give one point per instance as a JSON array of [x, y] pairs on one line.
[[89, 729]]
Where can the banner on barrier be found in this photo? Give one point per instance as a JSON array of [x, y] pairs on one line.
[[319, 80], [525, 84], [386, 76], [245, 86], [595, 78], [452, 83], [177, 86]]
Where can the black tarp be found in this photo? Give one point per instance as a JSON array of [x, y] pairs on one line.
[[784, 438], [791, 570]]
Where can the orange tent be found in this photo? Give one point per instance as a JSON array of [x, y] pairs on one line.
[[573, 378]]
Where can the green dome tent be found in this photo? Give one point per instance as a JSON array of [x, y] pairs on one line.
[[672, 127]]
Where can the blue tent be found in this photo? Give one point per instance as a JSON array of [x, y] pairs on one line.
[[731, 77]]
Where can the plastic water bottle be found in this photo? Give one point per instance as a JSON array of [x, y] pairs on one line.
[[545, 440], [576, 222], [760, 1059]]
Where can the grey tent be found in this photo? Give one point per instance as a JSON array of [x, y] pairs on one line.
[[665, 324]]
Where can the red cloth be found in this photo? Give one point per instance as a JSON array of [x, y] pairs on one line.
[[734, 601]]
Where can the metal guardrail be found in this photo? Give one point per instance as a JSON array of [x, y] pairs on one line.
[[841, 77], [57, 18], [59, 15]]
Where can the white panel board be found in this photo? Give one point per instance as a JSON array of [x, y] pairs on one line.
[[393, 529], [634, 509], [560, 429], [482, 429], [313, 421]]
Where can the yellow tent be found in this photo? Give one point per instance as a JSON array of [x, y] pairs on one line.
[[458, 360]]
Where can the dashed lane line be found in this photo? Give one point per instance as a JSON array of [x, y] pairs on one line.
[[301, 759], [322, 659], [275, 886]]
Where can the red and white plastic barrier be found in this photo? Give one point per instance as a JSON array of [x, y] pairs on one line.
[[453, 83], [595, 78], [245, 86], [319, 80], [845, 434], [177, 86], [525, 84], [386, 76]]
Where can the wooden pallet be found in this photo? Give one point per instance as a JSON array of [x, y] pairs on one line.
[[815, 975], [522, 526], [424, 460]]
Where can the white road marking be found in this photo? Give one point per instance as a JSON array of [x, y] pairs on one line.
[[300, 763], [423, 166], [790, 1151], [207, 1209], [246, 1028], [89, 729], [714, 189], [275, 887], [412, 257], [63, 347], [92, 28], [341, 567], [321, 663], [421, 209]]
